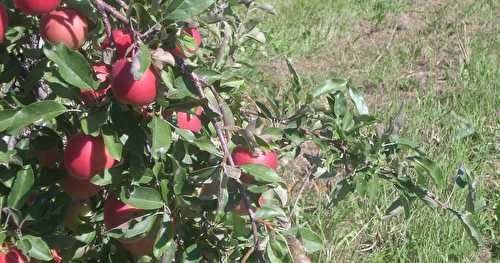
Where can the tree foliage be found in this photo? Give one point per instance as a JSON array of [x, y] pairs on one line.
[[174, 188]]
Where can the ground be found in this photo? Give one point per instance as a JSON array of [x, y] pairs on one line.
[[438, 60]]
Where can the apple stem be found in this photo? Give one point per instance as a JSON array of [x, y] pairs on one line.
[[198, 84]]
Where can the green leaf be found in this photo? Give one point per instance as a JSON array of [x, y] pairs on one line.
[[183, 9], [340, 107], [143, 197], [162, 136], [6, 118], [73, 66], [38, 248], [205, 144], [431, 169], [141, 62], [22, 186], [470, 226], [311, 241], [113, 144], [269, 212], [144, 225], [34, 112], [359, 101], [296, 81], [93, 122], [270, 254], [330, 86], [261, 173], [165, 243]]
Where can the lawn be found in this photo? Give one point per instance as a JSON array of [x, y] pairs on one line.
[[437, 63]]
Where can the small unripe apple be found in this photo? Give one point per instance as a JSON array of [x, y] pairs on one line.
[[76, 214], [122, 38], [4, 22], [12, 255], [36, 7], [127, 90], [117, 212], [64, 25], [190, 122], [78, 189], [179, 51], [86, 156], [243, 156]]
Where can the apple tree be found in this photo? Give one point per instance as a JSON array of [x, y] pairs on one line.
[[129, 134]]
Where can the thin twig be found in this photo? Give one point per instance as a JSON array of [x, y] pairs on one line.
[[247, 255], [302, 188]]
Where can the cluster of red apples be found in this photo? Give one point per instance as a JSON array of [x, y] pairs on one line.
[[86, 156]]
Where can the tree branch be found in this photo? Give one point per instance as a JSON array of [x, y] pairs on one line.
[[199, 83], [115, 13]]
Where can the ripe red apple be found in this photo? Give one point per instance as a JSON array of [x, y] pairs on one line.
[[86, 156], [89, 96], [36, 7], [64, 25], [122, 38], [4, 22], [243, 156], [117, 212], [48, 157], [179, 51], [140, 246], [190, 122], [12, 255], [127, 90], [78, 189]]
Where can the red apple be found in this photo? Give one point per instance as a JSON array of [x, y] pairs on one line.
[[36, 7], [4, 22], [56, 255], [86, 156], [78, 189], [31, 198], [167, 114], [12, 255], [179, 51], [89, 96], [64, 25], [117, 212], [243, 156], [102, 71], [140, 246], [48, 158], [122, 38], [127, 90], [188, 122]]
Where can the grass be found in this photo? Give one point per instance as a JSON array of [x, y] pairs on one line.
[[440, 59]]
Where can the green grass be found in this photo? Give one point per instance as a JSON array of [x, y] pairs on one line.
[[440, 59]]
